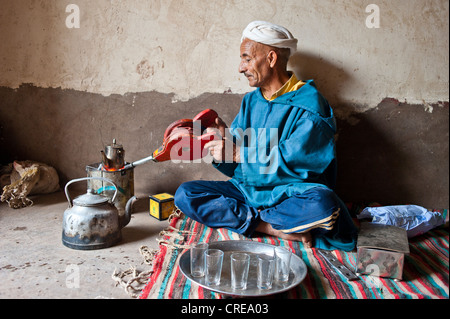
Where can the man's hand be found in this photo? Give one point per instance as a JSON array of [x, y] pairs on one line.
[[221, 148]]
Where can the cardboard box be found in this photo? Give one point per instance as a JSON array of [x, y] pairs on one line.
[[161, 205], [381, 250]]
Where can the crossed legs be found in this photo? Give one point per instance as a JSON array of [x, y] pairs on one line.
[[302, 217]]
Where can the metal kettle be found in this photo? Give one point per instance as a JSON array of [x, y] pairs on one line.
[[92, 221], [113, 157]]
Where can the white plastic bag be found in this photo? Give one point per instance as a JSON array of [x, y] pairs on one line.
[[415, 219]]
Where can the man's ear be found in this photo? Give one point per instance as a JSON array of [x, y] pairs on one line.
[[272, 58]]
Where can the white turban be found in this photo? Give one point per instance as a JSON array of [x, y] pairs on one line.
[[270, 34]]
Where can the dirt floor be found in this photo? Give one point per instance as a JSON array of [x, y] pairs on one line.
[[35, 264]]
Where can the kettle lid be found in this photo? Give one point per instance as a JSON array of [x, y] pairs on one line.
[[90, 199], [114, 145]]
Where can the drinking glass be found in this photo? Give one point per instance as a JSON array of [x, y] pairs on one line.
[[240, 263], [214, 261], [265, 270], [198, 259], [283, 262]]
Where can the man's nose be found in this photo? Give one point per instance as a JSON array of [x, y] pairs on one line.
[[242, 67]]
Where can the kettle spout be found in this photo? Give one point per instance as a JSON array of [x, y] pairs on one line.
[[128, 211]]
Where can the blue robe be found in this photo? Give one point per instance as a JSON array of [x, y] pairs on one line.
[[286, 174], [305, 156]]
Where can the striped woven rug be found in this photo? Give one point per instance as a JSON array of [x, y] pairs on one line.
[[425, 273]]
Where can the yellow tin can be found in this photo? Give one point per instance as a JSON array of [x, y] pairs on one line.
[[161, 205]]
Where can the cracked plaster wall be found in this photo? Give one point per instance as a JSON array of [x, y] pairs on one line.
[[133, 67], [190, 47]]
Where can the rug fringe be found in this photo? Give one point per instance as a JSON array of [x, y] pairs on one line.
[[172, 245], [141, 279], [134, 285], [147, 254]]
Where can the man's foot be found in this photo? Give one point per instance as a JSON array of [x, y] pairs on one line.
[[266, 228]]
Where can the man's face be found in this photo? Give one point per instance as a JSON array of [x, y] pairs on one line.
[[254, 63]]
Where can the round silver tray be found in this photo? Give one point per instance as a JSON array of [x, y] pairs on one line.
[[296, 276]]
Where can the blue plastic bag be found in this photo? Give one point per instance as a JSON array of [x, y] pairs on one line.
[[415, 219]]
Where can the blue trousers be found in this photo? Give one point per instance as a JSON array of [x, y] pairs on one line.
[[319, 211]]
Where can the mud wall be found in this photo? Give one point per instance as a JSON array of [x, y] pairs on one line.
[[131, 68]]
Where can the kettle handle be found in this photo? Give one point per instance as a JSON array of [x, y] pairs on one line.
[[66, 189]]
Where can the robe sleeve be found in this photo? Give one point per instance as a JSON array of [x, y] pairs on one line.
[[302, 157], [226, 168]]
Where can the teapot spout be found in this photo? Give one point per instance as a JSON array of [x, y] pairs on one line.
[[128, 211]]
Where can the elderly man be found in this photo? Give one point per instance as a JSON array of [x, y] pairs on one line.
[[279, 153]]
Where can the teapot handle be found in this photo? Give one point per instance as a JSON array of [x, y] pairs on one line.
[[66, 189]]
